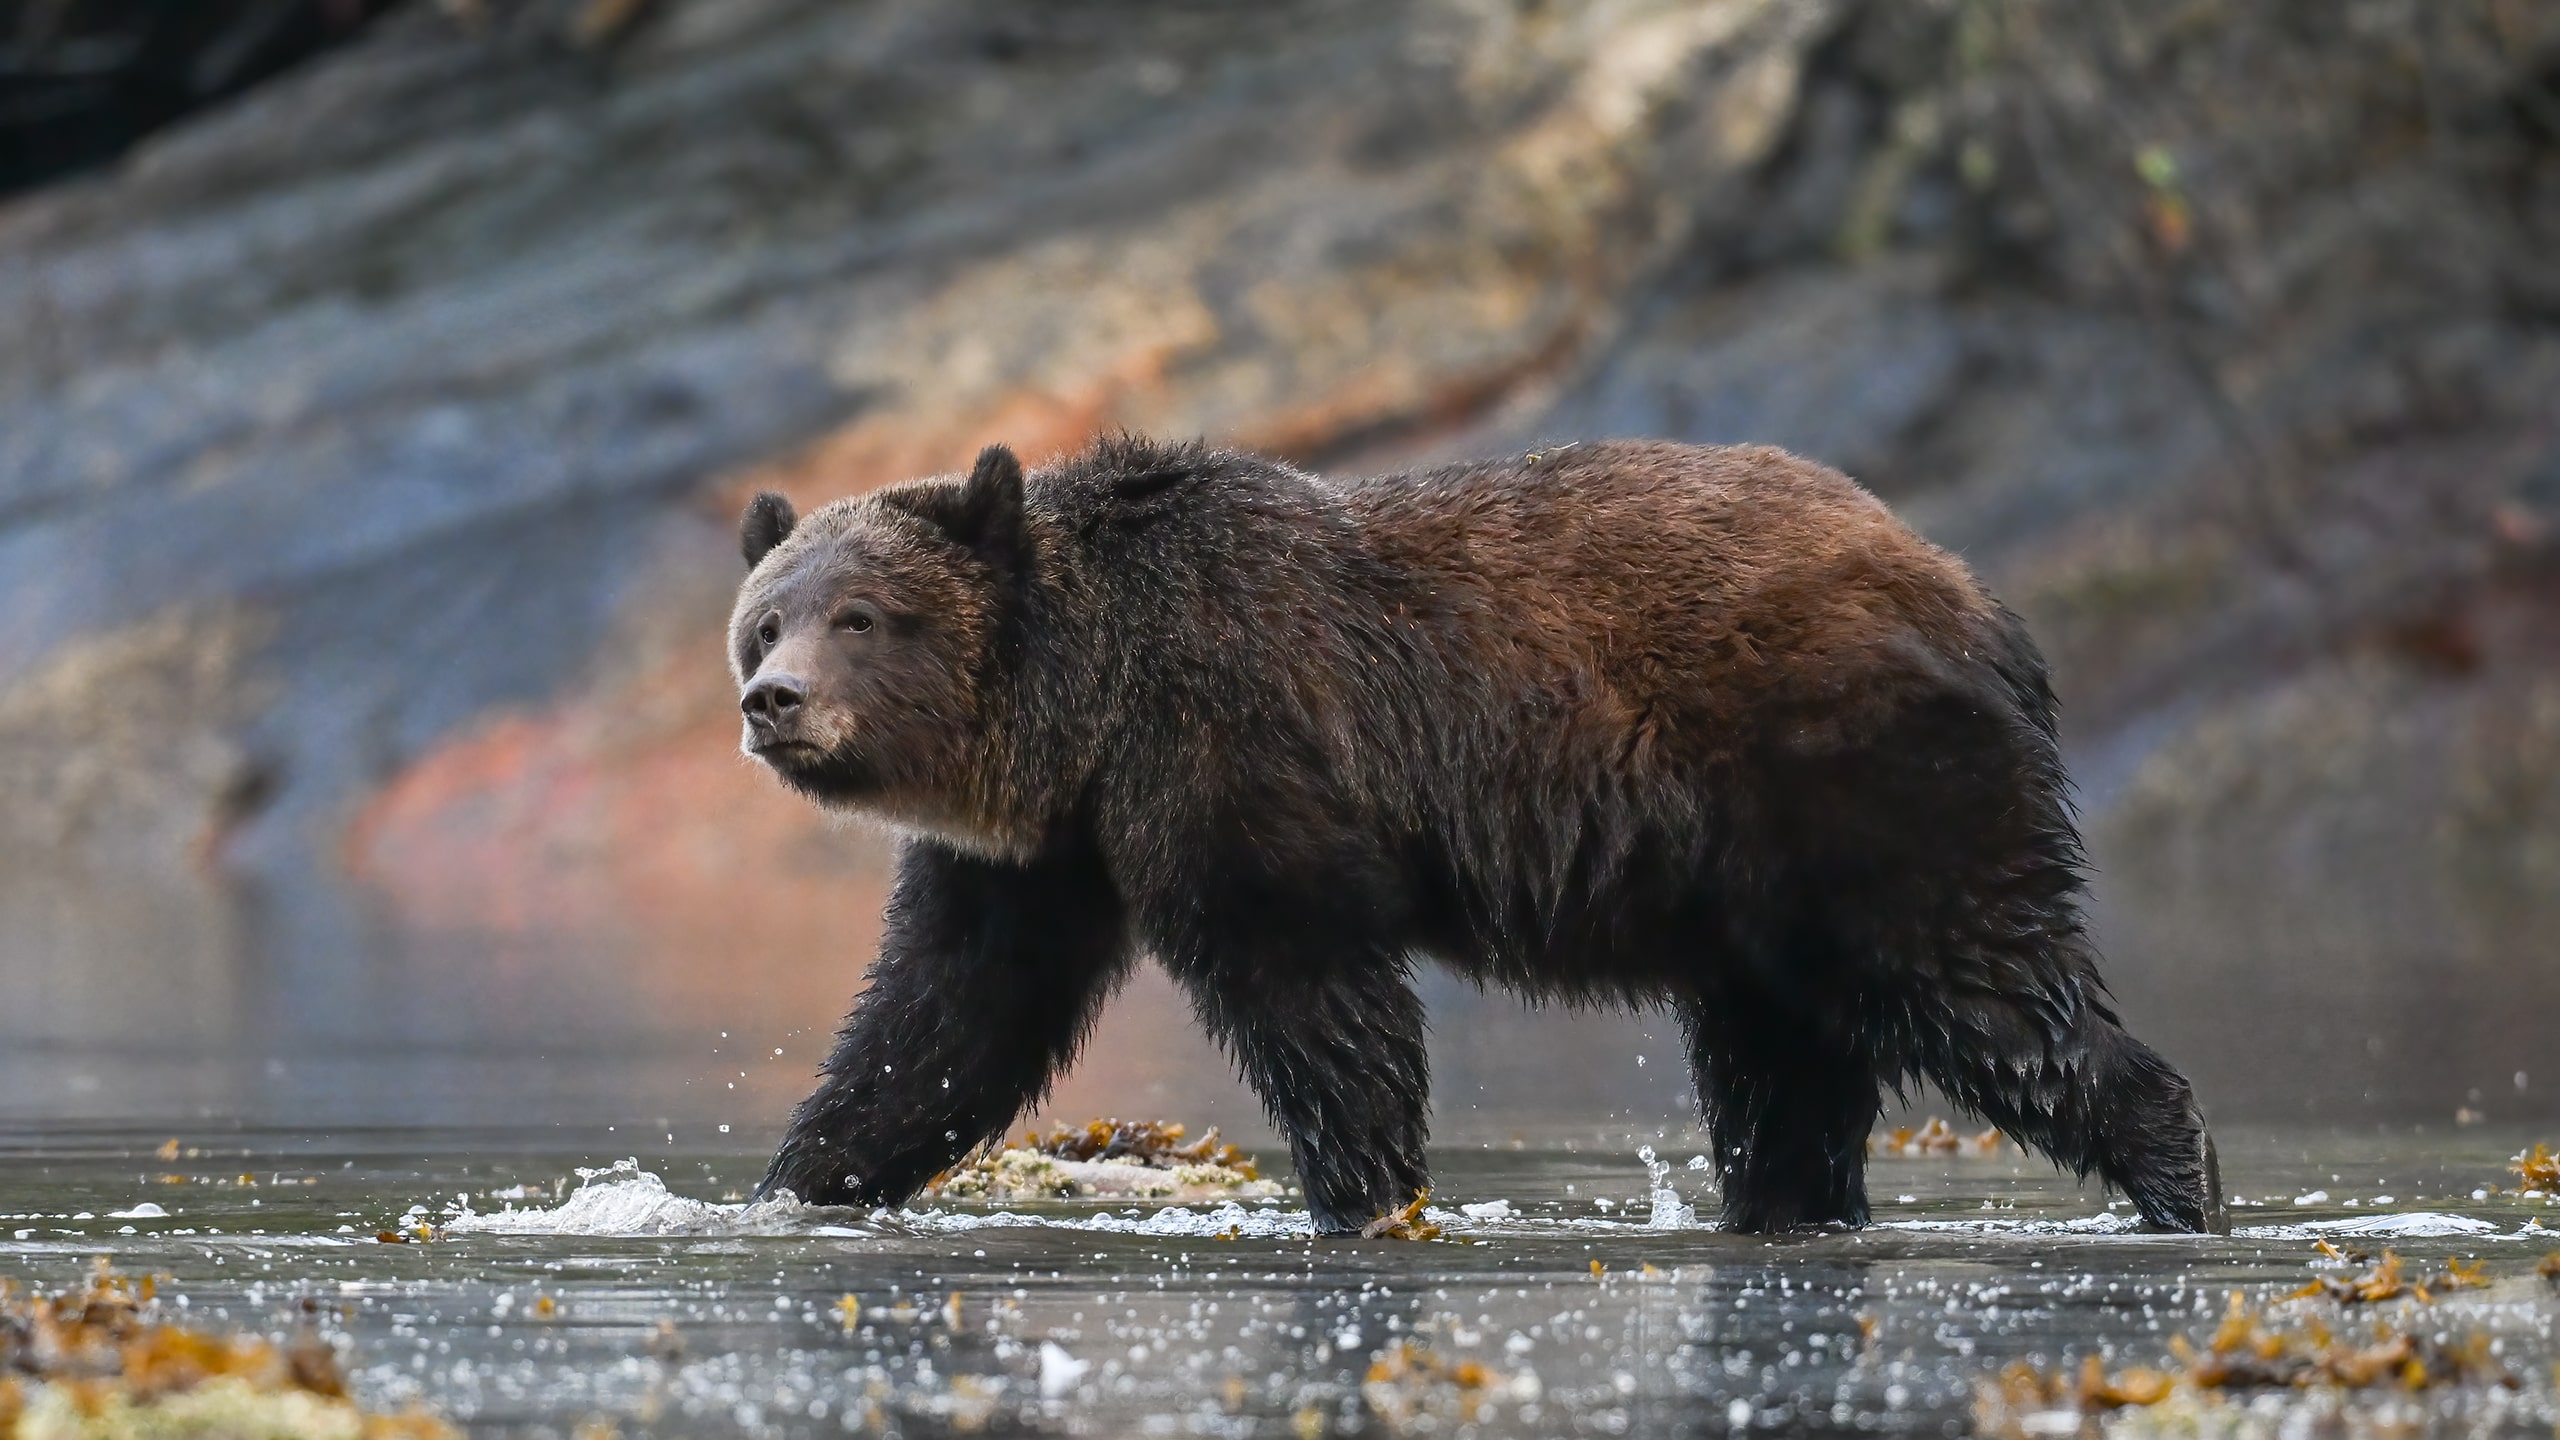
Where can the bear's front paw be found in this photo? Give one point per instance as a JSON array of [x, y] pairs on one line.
[[2186, 1198], [811, 1176], [1366, 1216]]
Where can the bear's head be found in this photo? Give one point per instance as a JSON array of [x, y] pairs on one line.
[[861, 642]]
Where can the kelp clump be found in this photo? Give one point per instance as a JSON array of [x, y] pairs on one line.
[[2286, 1346], [2539, 1169], [2386, 1280], [1414, 1389], [1405, 1222], [102, 1363], [1937, 1137], [1108, 1159]]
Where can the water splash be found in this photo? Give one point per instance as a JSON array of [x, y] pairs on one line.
[[1670, 1212], [623, 1199]]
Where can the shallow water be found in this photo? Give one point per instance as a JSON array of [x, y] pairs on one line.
[[649, 1298]]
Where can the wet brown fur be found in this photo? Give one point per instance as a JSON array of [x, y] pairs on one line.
[[1621, 722]]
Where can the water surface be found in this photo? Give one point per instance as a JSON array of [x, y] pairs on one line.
[[647, 1298]]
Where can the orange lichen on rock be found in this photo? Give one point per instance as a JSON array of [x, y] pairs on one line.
[[1937, 1137], [101, 1361]]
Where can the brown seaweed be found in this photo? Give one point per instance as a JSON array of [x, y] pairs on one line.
[[2538, 1169], [1936, 1137], [101, 1359], [1403, 1223]]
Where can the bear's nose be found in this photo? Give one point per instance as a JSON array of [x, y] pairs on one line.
[[771, 700]]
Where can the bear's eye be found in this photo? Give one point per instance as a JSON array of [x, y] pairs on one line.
[[857, 621], [769, 631]]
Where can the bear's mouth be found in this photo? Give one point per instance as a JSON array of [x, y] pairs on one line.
[[827, 776]]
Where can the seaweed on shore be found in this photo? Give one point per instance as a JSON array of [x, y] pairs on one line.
[[1405, 1222], [2249, 1351], [2282, 1346], [1414, 1389], [1147, 1142], [2538, 1169], [2386, 1280], [102, 1361], [1135, 1159], [1937, 1137]]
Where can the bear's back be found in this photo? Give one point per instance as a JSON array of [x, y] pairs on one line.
[[1669, 587]]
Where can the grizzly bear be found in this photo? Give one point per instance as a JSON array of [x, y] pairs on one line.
[[1630, 723]]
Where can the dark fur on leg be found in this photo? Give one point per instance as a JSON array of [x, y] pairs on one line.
[[2091, 1098], [990, 975], [1336, 1052], [1789, 1116], [1981, 901], [2150, 1136]]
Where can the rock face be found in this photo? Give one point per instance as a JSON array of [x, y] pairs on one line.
[[368, 447]]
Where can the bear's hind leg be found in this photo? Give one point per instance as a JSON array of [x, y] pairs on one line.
[[1789, 1115], [2078, 1088], [2152, 1140]]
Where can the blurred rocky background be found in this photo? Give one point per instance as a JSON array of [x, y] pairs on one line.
[[378, 384]]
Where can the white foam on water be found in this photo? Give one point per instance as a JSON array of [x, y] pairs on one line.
[[1257, 1222], [1499, 1218], [1059, 1371], [627, 1201], [2002, 1225], [623, 1199], [2413, 1224]]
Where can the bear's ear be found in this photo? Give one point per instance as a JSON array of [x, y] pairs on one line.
[[983, 512], [768, 519], [991, 503]]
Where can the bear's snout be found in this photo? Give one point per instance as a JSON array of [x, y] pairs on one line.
[[772, 705]]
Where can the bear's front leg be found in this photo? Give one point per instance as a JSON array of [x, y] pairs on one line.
[[990, 975], [1332, 1041], [1788, 1103]]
